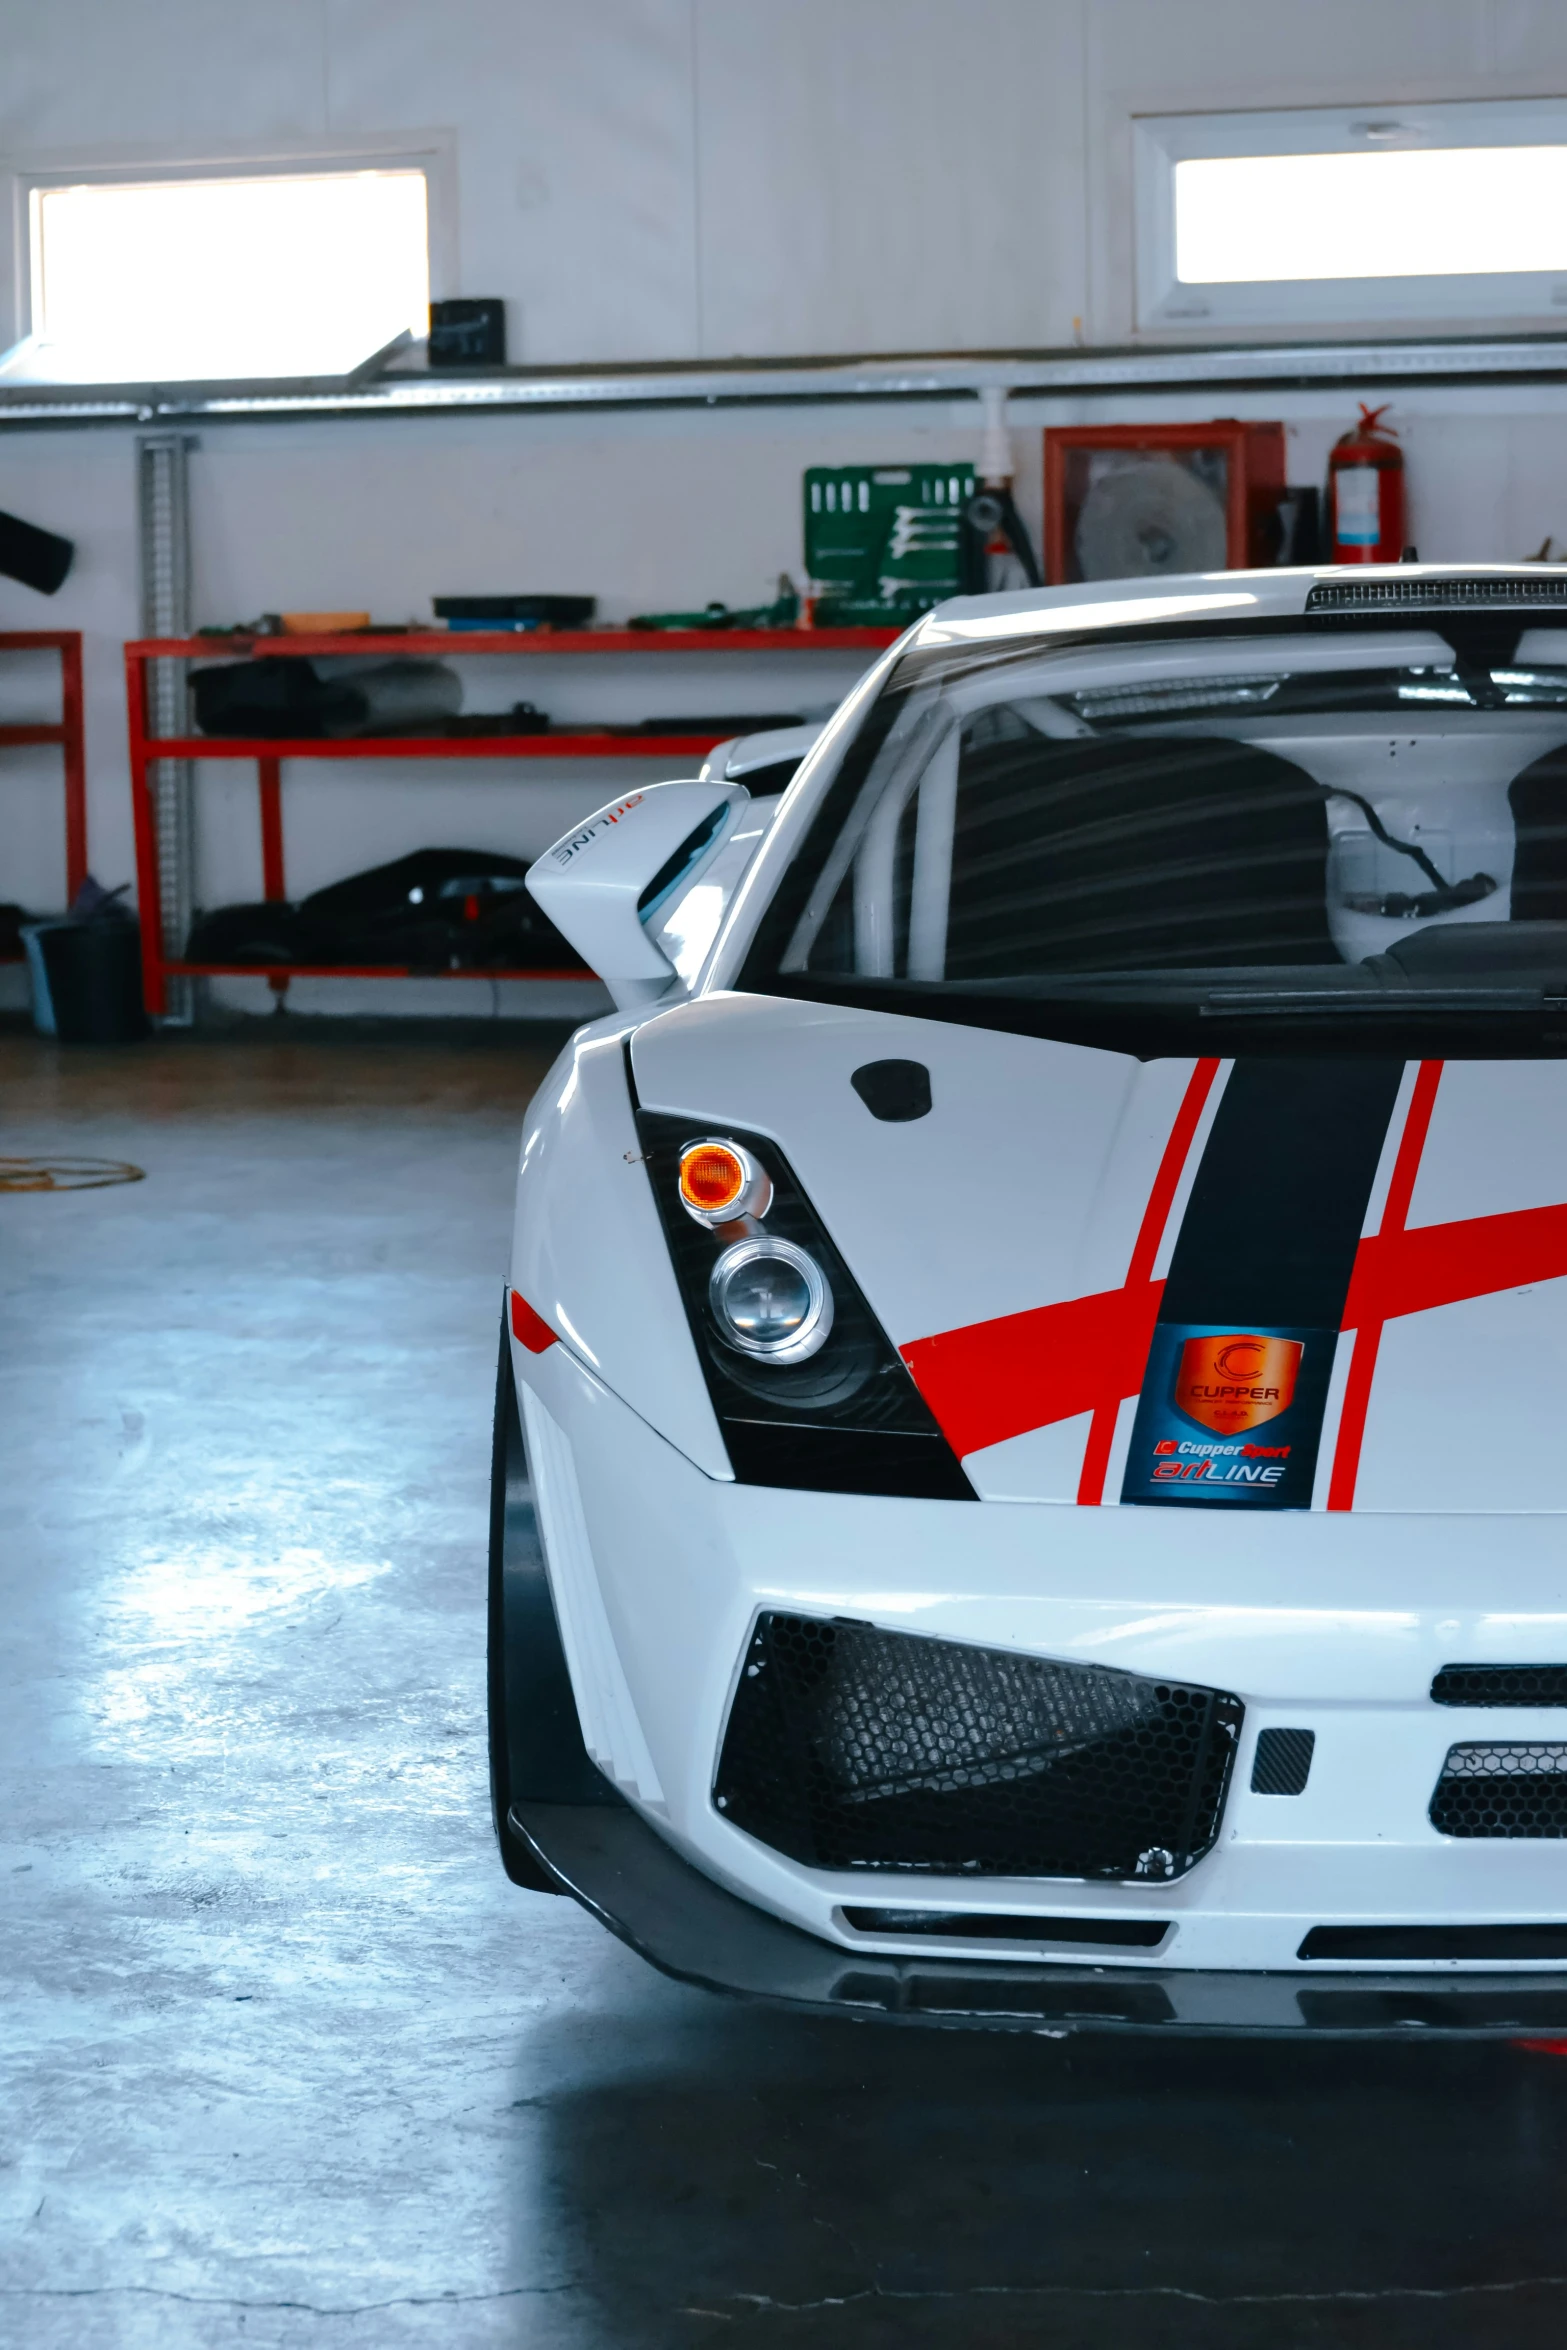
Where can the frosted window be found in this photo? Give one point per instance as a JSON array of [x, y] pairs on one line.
[[278, 275], [1442, 212]]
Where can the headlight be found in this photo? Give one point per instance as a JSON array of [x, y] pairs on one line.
[[720, 1182], [770, 1300]]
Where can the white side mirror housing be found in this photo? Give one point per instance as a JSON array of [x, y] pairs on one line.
[[603, 881]]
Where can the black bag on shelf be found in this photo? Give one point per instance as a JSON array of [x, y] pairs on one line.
[[281, 697], [436, 910]]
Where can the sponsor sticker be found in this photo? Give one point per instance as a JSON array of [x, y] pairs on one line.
[[1357, 494], [1229, 1418]]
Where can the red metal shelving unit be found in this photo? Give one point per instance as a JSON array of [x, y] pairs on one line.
[[67, 733], [603, 743]]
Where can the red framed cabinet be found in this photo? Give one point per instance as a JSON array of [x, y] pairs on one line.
[[66, 731], [603, 743]]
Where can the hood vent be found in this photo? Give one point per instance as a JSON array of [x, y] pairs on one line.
[[1532, 1685], [1436, 595]]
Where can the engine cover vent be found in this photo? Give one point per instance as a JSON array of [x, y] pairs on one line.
[[1433, 595], [1500, 1685], [1517, 1789], [852, 1748]]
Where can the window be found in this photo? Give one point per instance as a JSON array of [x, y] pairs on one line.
[[200, 276], [1393, 216]]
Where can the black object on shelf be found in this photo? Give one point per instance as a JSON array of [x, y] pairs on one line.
[[521, 718], [543, 611], [36, 557], [468, 332], [271, 701], [990, 515], [1298, 521], [436, 910]]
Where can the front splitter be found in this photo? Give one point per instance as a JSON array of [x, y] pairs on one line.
[[608, 1858]]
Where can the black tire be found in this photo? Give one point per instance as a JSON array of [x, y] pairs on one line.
[[536, 1744]]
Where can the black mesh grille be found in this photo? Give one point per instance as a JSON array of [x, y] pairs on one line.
[[1434, 594], [1495, 1790], [853, 1748], [1501, 1685]]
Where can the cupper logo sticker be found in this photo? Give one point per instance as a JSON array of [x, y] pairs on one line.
[[1236, 1380]]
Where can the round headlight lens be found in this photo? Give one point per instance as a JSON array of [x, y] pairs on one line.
[[771, 1300]]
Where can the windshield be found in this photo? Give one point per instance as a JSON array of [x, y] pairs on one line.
[[1353, 838]]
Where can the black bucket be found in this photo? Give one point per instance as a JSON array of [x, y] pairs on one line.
[[94, 974]]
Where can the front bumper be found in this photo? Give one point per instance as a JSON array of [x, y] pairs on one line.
[[634, 1883], [1331, 1624]]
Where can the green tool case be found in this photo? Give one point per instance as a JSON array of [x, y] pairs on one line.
[[885, 542]]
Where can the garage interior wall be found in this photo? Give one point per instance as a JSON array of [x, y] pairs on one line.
[[651, 180]]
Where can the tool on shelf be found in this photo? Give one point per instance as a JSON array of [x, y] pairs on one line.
[[782, 612], [883, 543], [523, 612]]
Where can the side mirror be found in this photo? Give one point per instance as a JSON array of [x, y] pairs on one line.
[[605, 880]]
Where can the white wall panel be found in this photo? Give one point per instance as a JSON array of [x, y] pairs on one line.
[[888, 175], [1529, 47], [668, 178], [136, 73], [575, 156]]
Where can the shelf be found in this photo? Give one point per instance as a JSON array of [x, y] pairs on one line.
[[916, 376], [12, 738], [441, 746], [456, 642], [270, 754]]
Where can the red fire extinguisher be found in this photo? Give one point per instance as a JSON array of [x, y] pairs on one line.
[[1366, 492]]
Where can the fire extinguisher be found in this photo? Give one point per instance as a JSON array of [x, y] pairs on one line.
[[1366, 492]]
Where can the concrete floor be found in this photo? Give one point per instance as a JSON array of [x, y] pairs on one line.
[[287, 2062]]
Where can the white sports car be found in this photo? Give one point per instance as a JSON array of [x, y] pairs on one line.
[[1029, 1470]]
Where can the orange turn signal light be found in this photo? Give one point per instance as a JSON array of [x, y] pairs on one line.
[[720, 1181], [712, 1176]]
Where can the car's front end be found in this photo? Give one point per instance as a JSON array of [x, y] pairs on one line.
[[1038, 1373]]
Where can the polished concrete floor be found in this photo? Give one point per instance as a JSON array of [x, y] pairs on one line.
[[286, 2061]]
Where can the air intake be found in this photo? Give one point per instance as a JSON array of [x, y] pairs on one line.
[[1379, 1945], [1509, 591], [1500, 1685], [1502, 1790], [988, 1925], [852, 1748]]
